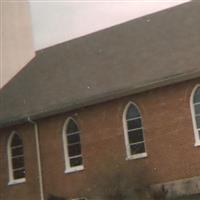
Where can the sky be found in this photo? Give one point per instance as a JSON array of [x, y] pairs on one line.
[[58, 21]]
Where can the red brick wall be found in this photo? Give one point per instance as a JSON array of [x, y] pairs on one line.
[[168, 133]]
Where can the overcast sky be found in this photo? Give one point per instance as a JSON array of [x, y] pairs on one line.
[[59, 21]]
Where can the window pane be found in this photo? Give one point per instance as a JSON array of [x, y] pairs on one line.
[[197, 109], [16, 141], [76, 161], [137, 148], [17, 151], [73, 138], [132, 124], [197, 95], [74, 150], [132, 112], [198, 121], [72, 127], [18, 162], [135, 136], [19, 174]]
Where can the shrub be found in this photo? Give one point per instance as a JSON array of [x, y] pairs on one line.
[[53, 197]]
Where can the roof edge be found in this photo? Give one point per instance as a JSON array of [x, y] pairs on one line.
[[112, 26], [102, 98]]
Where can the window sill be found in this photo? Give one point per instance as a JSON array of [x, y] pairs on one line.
[[74, 169], [137, 156], [18, 181], [197, 144]]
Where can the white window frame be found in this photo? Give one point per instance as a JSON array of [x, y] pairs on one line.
[[196, 133], [68, 168], [12, 181], [129, 156]]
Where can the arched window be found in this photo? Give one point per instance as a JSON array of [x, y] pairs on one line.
[[16, 159], [133, 132], [72, 146], [195, 109]]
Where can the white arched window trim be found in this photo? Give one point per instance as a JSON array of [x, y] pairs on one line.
[[128, 153], [196, 134], [68, 168], [12, 181]]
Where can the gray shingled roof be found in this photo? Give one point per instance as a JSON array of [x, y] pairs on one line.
[[152, 51]]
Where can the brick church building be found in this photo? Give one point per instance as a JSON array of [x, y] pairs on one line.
[[119, 108]]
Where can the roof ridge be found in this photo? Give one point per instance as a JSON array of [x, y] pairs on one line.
[[111, 27]]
